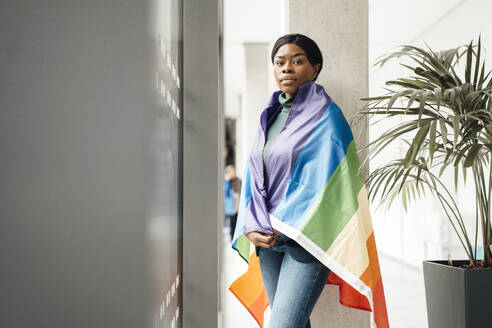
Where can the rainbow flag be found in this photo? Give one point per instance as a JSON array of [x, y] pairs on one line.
[[311, 190]]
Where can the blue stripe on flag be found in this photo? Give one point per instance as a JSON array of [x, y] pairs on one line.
[[244, 199], [322, 156]]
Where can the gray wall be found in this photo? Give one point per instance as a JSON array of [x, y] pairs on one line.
[[75, 119], [92, 221], [202, 163]]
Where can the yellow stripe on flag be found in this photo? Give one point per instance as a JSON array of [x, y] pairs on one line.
[[349, 248]]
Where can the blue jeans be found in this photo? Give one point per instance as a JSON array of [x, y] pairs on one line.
[[294, 280]]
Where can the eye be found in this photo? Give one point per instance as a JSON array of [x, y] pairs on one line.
[[298, 61], [278, 63]]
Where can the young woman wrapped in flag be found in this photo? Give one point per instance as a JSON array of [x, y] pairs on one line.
[[303, 203]]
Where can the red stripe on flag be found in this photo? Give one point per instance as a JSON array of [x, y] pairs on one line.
[[348, 295], [380, 312]]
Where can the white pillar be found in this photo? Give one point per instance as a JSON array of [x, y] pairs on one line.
[[340, 28], [256, 93]]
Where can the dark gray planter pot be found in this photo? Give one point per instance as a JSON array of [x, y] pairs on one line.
[[457, 297]]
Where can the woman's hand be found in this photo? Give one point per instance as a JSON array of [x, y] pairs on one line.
[[263, 239]]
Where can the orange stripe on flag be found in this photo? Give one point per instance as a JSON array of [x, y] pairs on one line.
[[372, 274], [250, 291]]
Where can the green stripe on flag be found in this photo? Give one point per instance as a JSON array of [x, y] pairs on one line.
[[337, 203], [242, 247]]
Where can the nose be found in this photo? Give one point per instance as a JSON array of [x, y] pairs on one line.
[[287, 67]]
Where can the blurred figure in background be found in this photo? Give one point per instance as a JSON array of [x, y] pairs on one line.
[[232, 188]]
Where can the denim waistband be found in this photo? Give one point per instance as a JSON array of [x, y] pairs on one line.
[[284, 244]]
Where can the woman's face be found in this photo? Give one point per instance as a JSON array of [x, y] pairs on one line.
[[291, 68]]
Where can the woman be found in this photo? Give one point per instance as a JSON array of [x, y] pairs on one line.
[[296, 60], [303, 201]]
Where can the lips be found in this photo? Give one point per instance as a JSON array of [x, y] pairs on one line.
[[288, 80]]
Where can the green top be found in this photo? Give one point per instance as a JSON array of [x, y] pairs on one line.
[[278, 124]]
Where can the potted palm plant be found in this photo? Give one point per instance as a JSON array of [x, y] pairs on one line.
[[445, 111]]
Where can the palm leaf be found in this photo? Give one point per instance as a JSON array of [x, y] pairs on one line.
[[445, 100]]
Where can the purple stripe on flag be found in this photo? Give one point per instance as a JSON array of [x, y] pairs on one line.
[[308, 107]]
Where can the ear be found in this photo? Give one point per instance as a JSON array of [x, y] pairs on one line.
[[316, 70]]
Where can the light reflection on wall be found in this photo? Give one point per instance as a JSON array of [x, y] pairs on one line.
[[165, 215]]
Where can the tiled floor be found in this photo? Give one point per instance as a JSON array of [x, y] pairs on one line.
[[403, 285]]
